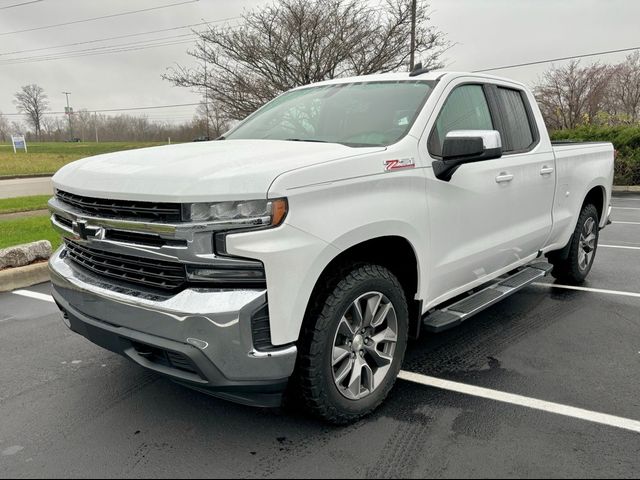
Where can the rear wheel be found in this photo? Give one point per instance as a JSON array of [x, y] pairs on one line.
[[353, 345], [576, 265]]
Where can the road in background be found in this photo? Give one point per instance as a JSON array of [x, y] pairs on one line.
[[23, 187]]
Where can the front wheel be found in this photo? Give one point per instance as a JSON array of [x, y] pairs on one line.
[[577, 264], [353, 345]]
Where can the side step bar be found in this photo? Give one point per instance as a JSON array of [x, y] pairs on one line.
[[453, 315]]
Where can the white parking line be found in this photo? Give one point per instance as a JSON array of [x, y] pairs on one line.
[[627, 223], [626, 208], [625, 247], [38, 296], [533, 403], [587, 289]]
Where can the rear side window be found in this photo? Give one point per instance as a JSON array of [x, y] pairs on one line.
[[466, 108], [517, 127]]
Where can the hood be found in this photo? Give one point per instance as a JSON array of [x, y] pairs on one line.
[[194, 172]]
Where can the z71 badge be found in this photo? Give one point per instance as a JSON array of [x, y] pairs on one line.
[[390, 165]]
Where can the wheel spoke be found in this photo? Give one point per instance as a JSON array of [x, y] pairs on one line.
[[368, 378], [380, 359], [346, 329], [589, 226], [385, 336], [339, 354], [371, 309], [357, 315], [343, 371], [355, 381], [381, 315]]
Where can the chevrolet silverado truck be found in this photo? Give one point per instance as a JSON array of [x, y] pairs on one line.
[[296, 255]]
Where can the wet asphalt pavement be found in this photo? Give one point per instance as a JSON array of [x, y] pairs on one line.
[[71, 409]]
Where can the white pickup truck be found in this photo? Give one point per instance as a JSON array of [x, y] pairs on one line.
[[297, 254]]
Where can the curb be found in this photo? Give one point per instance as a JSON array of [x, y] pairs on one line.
[[18, 177], [22, 277], [29, 213], [629, 188]]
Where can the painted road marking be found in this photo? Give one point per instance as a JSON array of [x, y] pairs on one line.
[[587, 289], [619, 246], [627, 223], [625, 208], [533, 403], [38, 296]]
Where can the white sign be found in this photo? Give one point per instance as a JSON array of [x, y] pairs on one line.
[[19, 142]]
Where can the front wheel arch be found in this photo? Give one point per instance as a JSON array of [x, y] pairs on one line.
[[396, 254]]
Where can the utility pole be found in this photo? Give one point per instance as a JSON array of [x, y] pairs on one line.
[[412, 59], [68, 112], [95, 124], [206, 99]]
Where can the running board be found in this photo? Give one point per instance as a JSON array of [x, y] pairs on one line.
[[453, 315]]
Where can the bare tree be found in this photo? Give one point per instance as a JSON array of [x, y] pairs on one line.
[[572, 95], [32, 101], [212, 119], [5, 130], [296, 42], [624, 98]]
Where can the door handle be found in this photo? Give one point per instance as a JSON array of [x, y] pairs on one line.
[[546, 170], [504, 177]]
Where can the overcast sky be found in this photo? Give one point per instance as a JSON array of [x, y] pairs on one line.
[[487, 33]]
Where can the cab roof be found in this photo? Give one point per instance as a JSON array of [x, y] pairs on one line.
[[404, 76]]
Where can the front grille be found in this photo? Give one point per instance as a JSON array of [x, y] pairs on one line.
[[157, 274], [102, 207]]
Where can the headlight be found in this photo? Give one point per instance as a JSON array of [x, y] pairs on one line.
[[246, 213]]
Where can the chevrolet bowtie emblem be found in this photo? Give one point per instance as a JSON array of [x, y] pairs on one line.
[[84, 231]]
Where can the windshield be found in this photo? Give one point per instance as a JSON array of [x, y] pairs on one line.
[[355, 114]]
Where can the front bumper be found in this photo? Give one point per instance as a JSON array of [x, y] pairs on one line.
[[199, 337]]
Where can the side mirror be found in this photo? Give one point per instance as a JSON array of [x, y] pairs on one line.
[[466, 146]]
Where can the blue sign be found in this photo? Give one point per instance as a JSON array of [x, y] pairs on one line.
[[19, 142]]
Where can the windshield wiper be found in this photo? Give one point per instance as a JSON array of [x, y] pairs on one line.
[[346, 144], [307, 140]]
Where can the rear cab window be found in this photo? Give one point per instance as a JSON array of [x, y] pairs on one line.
[[517, 129]]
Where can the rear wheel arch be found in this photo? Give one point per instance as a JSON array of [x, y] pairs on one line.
[[596, 197]]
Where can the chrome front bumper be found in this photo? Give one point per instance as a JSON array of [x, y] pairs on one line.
[[209, 328]]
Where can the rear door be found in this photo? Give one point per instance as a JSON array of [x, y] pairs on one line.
[[531, 214]]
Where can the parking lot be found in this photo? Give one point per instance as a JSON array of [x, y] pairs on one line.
[[546, 383]]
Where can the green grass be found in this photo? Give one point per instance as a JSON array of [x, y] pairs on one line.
[[29, 229], [47, 157], [24, 204]]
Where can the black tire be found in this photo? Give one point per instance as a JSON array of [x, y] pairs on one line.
[[315, 379], [569, 266]]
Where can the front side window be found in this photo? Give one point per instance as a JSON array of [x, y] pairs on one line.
[[355, 114], [466, 108]]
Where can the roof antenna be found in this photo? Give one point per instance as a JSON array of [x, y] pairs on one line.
[[418, 70]]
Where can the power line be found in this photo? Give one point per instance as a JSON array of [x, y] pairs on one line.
[[111, 110], [118, 37], [75, 22], [126, 47], [87, 54], [21, 4], [538, 62], [105, 47]]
